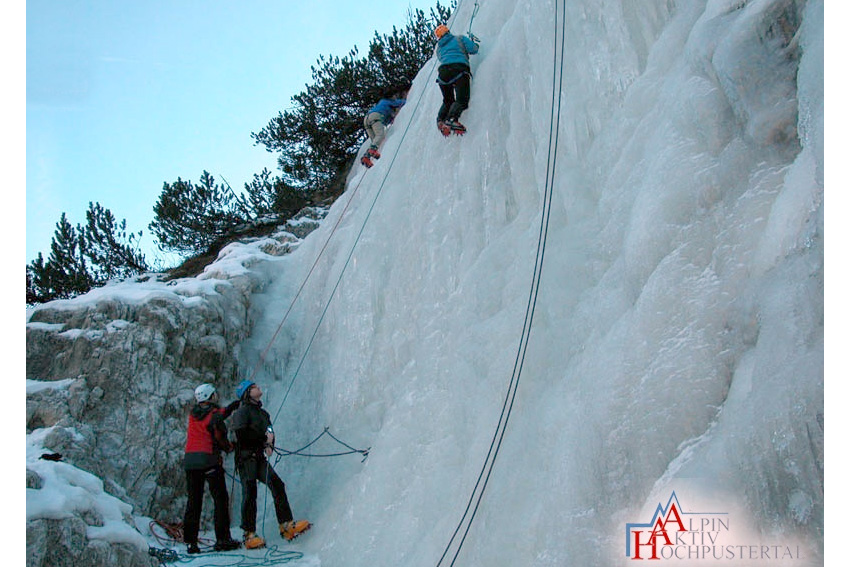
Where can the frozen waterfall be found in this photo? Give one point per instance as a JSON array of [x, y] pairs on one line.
[[677, 339]]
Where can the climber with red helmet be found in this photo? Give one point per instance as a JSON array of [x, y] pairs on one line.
[[254, 444], [205, 440], [454, 77]]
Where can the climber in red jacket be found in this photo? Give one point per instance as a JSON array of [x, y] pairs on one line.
[[206, 439]]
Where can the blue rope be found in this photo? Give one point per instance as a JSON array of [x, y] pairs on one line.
[[273, 556]]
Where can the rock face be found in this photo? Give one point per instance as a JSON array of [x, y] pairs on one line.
[[72, 521], [132, 354], [135, 367], [64, 543]]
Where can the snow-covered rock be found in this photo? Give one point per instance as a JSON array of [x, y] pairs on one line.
[[118, 366], [71, 520]]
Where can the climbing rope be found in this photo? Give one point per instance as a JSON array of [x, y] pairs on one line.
[[339, 220], [336, 286], [173, 532], [364, 452], [289, 309], [272, 556], [354, 246], [164, 555], [300, 452], [173, 537], [265, 352], [280, 453], [357, 239], [507, 407]]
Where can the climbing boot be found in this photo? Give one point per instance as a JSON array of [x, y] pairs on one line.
[[373, 152], [227, 545], [366, 161], [455, 127], [253, 541], [291, 530], [192, 548], [444, 128]]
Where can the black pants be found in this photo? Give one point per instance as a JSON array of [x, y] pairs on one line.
[[195, 480], [454, 81], [256, 468]]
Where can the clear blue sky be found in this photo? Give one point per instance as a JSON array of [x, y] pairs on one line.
[[123, 96]]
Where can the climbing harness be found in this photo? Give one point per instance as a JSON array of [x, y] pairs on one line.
[[454, 79], [507, 407]]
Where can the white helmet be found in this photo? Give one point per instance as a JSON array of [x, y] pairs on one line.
[[204, 392]]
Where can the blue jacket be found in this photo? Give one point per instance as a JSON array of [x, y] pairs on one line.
[[386, 106], [455, 49]]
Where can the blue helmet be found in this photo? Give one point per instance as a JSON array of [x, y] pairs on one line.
[[243, 387]]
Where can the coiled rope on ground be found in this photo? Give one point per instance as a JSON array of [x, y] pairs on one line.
[[172, 536]]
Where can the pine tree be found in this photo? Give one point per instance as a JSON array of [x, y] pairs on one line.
[[65, 272], [267, 195], [190, 217], [316, 143], [319, 137], [112, 252], [84, 257]]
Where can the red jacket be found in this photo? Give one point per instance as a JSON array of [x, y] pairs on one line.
[[206, 437]]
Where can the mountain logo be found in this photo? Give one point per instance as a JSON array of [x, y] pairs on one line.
[[656, 539], [675, 534]]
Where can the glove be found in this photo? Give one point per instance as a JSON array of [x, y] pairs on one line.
[[231, 407]]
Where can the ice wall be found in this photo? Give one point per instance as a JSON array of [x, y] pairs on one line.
[[677, 342]]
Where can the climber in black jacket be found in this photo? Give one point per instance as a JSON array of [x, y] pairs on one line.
[[254, 444]]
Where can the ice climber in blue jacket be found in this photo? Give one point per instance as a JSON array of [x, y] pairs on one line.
[[454, 77], [376, 121]]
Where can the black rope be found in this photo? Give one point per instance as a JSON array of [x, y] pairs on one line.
[[300, 452], [266, 491], [507, 407], [280, 452]]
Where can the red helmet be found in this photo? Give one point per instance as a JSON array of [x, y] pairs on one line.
[[441, 30]]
